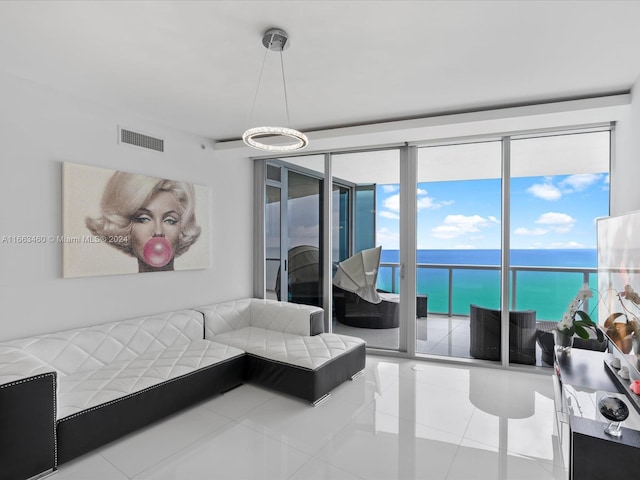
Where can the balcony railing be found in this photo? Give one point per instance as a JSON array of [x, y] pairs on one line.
[[390, 272]]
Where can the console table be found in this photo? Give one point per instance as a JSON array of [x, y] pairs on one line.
[[581, 379]]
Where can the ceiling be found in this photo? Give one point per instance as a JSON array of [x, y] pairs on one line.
[[194, 65]]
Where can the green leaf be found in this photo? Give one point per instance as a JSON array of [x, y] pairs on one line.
[[584, 316], [582, 332], [599, 334]]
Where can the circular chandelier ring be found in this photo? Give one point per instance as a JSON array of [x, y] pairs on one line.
[[249, 137]]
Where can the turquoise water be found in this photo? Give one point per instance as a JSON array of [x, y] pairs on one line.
[[546, 292]]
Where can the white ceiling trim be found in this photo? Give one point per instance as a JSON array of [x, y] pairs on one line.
[[497, 122]]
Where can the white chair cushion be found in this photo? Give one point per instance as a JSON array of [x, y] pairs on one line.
[[93, 347], [87, 389], [303, 351]]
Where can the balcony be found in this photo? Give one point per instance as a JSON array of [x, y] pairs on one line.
[[451, 289]]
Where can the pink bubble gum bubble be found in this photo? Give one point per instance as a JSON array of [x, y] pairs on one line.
[[635, 387], [157, 252]]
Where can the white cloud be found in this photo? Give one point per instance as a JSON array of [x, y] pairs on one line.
[[545, 191], [579, 182], [558, 222], [389, 215], [424, 201], [493, 219], [389, 188], [527, 231], [555, 218], [456, 225], [427, 202], [392, 203], [388, 239]]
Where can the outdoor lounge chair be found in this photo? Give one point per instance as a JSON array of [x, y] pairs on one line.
[[355, 298], [484, 342]]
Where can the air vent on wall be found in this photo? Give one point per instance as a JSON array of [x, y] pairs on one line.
[[141, 140]]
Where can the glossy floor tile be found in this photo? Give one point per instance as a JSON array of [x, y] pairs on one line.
[[401, 419]]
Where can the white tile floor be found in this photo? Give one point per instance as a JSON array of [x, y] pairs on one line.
[[402, 419]]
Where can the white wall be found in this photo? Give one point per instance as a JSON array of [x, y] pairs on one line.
[[39, 129], [625, 169]]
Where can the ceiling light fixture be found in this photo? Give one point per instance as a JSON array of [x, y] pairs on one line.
[[275, 40]]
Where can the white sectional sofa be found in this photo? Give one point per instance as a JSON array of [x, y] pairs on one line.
[[64, 394]]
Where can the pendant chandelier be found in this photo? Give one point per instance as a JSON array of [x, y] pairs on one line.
[[275, 40]]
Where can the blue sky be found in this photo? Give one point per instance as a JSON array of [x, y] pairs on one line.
[[546, 212]]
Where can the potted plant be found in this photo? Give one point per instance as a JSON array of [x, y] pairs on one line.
[[576, 322]]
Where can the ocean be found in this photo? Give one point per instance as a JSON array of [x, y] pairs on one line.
[[548, 293]]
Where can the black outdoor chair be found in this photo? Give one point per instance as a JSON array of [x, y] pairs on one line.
[[484, 343]]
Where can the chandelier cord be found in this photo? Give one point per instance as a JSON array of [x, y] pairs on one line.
[[284, 84], [255, 97]]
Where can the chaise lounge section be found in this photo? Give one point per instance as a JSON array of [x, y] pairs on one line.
[[285, 349]]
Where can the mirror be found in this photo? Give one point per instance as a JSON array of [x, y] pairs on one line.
[[619, 282]]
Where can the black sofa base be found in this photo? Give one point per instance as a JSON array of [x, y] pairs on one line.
[[92, 428], [28, 434], [305, 383]]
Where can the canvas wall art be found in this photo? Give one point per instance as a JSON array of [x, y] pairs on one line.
[[117, 222]]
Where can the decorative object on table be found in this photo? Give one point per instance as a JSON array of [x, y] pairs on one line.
[[635, 387], [622, 327], [624, 372], [275, 40], [615, 363], [570, 325], [563, 341], [614, 410]]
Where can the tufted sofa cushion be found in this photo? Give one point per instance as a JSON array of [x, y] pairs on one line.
[[310, 352], [89, 388], [16, 364], [94, 347], [272, 315]]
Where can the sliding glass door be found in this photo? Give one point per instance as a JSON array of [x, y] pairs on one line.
[[366, 285], [559, 186], [458, 231], [293, 233]]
